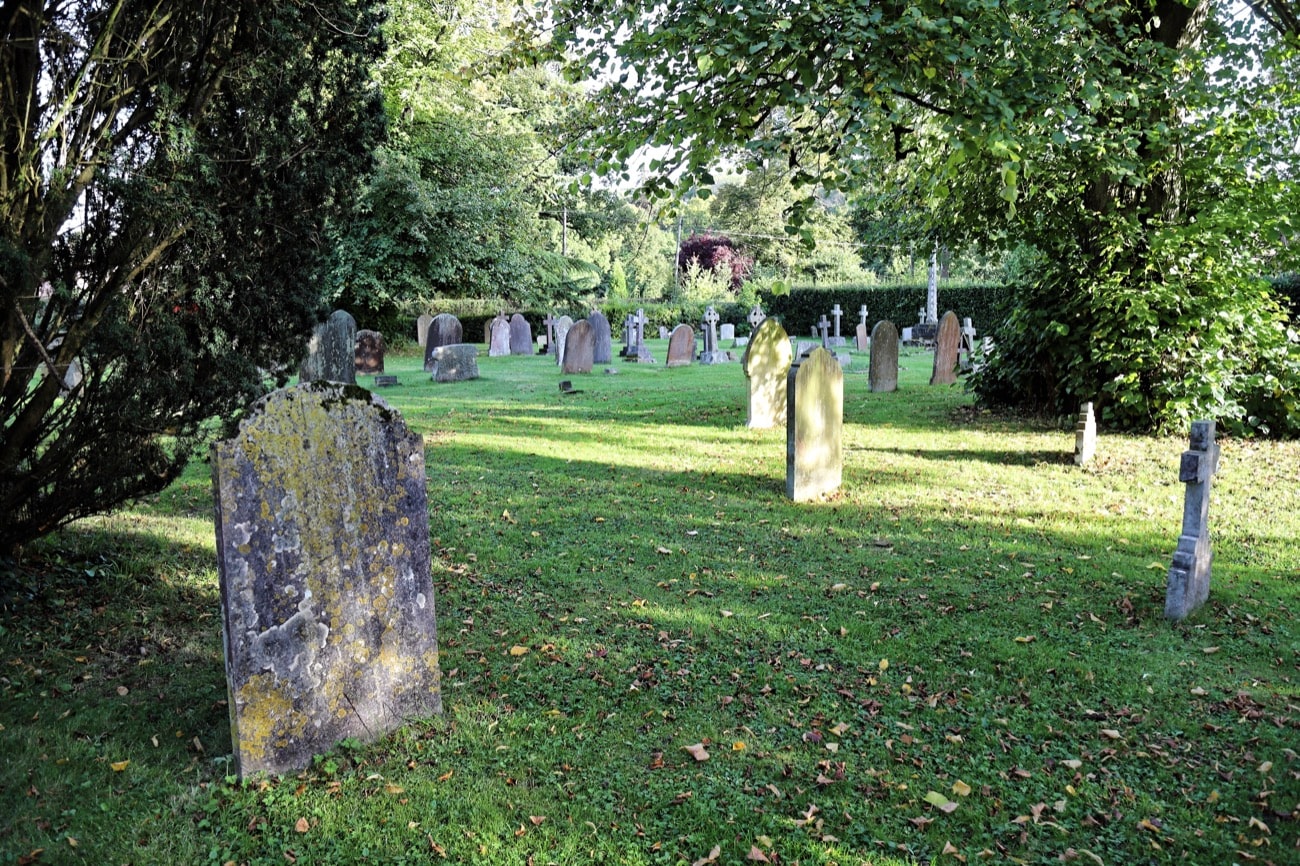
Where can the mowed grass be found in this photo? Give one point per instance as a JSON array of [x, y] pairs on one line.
[[959, 657]]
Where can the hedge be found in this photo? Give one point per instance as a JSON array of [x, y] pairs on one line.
[[985, 305]]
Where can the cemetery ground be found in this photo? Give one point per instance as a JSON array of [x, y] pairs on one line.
[[650, 656]]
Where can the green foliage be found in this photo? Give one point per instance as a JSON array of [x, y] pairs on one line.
[[167, 175], [799, 309]]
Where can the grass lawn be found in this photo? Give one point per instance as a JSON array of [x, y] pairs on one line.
[[961, 657]]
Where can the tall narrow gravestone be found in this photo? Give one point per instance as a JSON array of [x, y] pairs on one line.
[[1189, 575], [422, 329], [331, 353], [444, 330], [562, 326], [323, 555], [883, 372], [946, 345], [814, 421], [603, 348], [767, 363], [579, 348], [499, 339], [521, 335], [681, 346]]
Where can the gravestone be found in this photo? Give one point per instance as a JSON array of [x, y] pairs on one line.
[[862, 338], [1189, 575], [499, 337], [726, 331], [883, 372], [710, 353], [422, 329], [327, 602], [455, 363], [824, 329], [756, 316], [814, 462], [331, 352], [681, 346], [550, 333], [629, 336], [641, 353], [603, 351], [444, 330], [966, 355], [946, 345], [836, 339], [521, 335], [862, 315], [562, 326], [1085, 436], [766, 363], [369, 354], [663, 332], [579, 348]]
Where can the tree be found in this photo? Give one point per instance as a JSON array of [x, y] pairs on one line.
[[167, 171], [1105, 133]]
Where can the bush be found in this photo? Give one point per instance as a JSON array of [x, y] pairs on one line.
[[985, 305]]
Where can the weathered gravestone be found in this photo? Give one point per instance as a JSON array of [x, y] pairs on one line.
[[1189, 575], [444, 330], [862, 337], [814, 421], [726, 331], [579, 347], [756, 316], [499, 342], [521, 335], [422, 329], [766, 364], [946, 345], [681, 346], [331, 353], [550, 334], [709, 327], [369, 354], [1085, 436], [322, 533], [562, 327], [837, 339], [602, 347], [455, 363], [883, 372]]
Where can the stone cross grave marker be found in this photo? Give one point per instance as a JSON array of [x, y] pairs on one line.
[[946, 345], [681, 346], [327, 601], [444, 330], [1189, 575], [837, 312], [766, 363], [521, 335], [1085, 436], [710, 329], [368, 358], [629, 335], [756, 315], [642, 351], [862, 314], [331, 352], [579, 348], [814, 421], [603, 349], [883, 372], [823, 328], [550, 333]]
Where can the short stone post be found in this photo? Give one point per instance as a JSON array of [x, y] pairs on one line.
[[1189, 575], [1085, 436]]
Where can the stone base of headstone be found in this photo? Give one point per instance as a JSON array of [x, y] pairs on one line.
[[844, 358], [1085, 436], [740, 343], [455, 363], [836, 341], [925, 332], [642, 356], [385, 381], [716, 358]]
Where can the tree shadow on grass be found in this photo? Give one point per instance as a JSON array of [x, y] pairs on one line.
[[1008, 457]]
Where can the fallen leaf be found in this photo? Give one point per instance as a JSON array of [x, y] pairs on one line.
[[712, 858], [939, 801], [1265, 767], [1260, 825], [445, 776], [1073, 763], [1199, 692], [119, 766], [884, 664], [840, 730], [960, 788], [756, 854], [123, 691], [72, 842], [1210, 650], [663, 550], [537, 819], [517, 650], [1029, 638], [949, 849], [726, 614], [1110, 733], [390, 788], [697, 751], [738, 746], [921, 823], [839, 587], [302, 825]]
